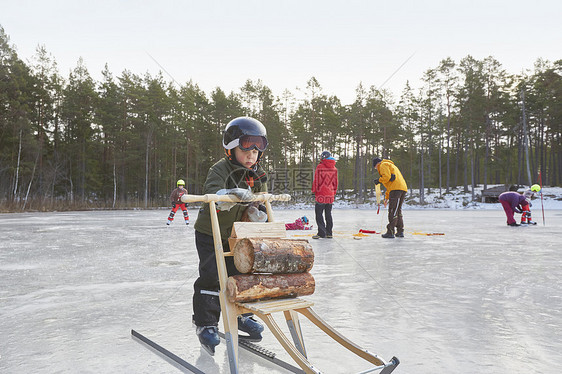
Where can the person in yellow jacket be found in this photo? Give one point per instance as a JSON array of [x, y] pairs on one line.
[[396, 188]]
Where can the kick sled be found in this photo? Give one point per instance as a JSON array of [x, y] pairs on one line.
[[276, 277]]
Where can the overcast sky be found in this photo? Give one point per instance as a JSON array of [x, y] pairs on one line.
[[284, 43]]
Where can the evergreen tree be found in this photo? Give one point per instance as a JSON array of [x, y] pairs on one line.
[[107, 116], [472, 110], [79, 131], [447, 79], [19, 156]]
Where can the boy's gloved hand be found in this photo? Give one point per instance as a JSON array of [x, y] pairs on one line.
[[224, 205], [256, 215], [240, 193]]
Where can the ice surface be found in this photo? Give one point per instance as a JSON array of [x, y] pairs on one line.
[[483, 298]]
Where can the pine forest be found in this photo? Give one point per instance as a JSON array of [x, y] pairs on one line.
[[71, 142]]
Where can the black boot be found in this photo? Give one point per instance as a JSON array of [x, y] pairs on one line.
[[388, 235], [399, 234], [513, 224]]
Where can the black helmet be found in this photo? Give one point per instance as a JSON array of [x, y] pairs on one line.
[[325, 155], [246, 133]]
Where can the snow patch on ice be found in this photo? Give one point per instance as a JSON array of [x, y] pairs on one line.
[[456, 199]]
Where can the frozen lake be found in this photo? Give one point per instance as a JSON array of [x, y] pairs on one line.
[[483, 298]]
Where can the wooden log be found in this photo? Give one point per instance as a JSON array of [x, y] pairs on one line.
[[254, 287], [278, 256], [256, 230]]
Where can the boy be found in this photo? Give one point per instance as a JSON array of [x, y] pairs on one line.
[[177, 203], [526, 209], [239, 173]]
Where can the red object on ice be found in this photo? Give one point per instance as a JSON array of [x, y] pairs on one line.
[[368, 231]]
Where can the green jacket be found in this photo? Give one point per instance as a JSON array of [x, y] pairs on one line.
[[225, 174]]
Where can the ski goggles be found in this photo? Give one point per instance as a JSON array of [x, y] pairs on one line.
[[249, 142]]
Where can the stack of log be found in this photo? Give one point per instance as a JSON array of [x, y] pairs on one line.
[[272, 268]]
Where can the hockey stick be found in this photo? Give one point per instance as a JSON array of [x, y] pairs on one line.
[[378, 195], [542, 204], [382, 216]]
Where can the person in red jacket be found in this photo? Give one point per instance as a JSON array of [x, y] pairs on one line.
[[324, 188]]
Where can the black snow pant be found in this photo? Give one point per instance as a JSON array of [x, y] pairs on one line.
[[324, 229], [395, 220], [206, 304]]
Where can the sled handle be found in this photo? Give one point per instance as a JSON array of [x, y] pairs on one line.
[[266, 197]]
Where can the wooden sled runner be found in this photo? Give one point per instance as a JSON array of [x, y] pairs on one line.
[[290, 307]]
